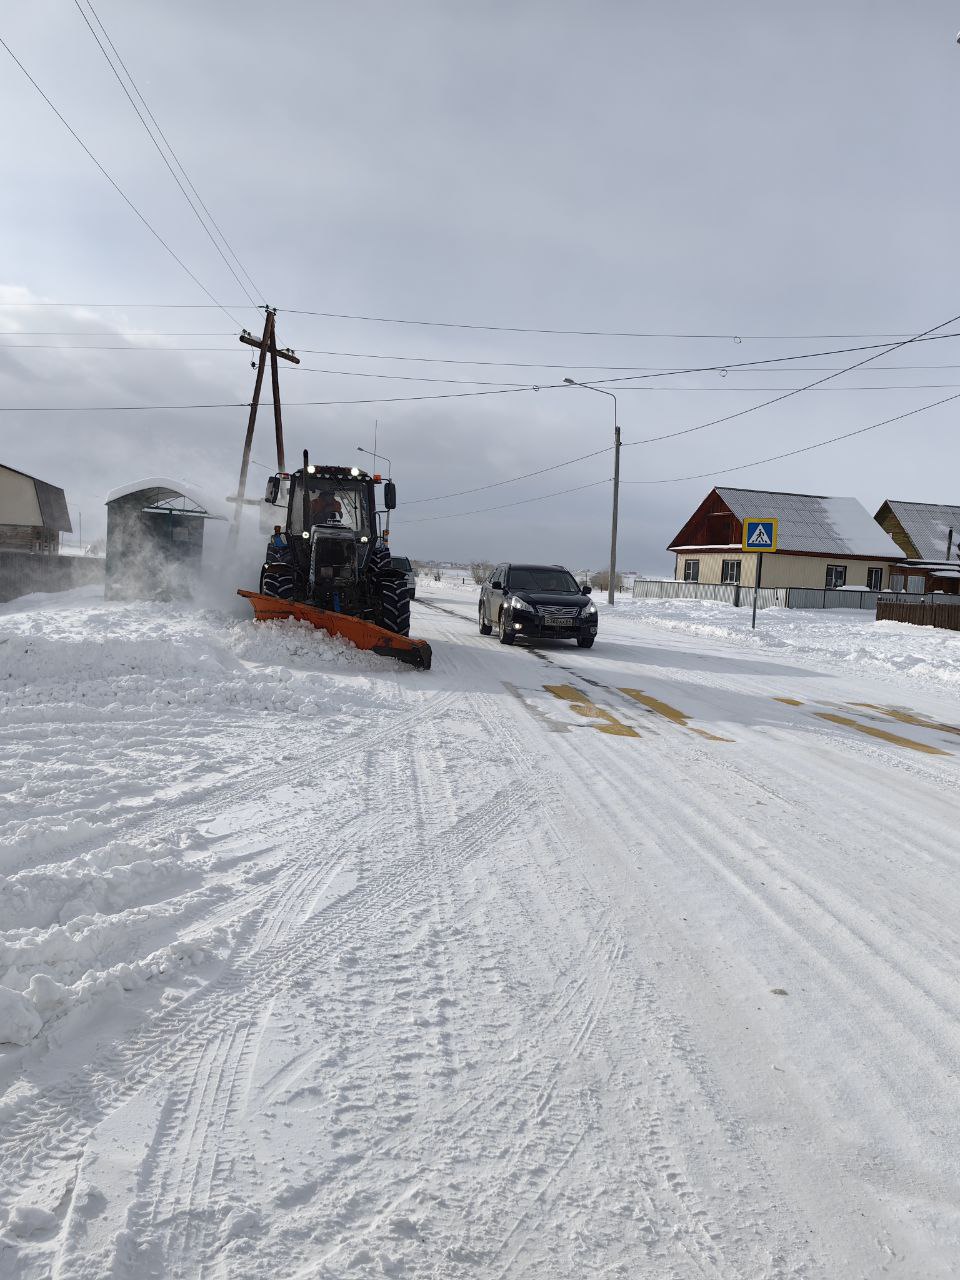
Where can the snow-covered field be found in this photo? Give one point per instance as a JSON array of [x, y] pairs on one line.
[[638, 962]]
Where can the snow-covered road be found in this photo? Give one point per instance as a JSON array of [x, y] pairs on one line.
[[634, 962]]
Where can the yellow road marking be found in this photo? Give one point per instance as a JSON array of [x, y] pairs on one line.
[[670, 713], [789, 702], [580, 703], [909, 717], [880, 733]]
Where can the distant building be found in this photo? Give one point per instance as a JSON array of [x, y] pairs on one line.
[[927, 534], [33, 514], [822, 542]]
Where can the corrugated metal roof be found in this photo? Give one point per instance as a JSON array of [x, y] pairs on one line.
[[928, 525], [51, 501], [815, 524]]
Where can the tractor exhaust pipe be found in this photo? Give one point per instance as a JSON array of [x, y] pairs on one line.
[[306, 497]]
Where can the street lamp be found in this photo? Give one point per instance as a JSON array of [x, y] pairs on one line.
[[375, 456], [616, 481]]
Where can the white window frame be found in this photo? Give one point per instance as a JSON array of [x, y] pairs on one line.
[[691, 570]]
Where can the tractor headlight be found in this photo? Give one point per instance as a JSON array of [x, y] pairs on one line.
[[354, 471], [311, 470], [305, 534], [364, 538], [520, 606]]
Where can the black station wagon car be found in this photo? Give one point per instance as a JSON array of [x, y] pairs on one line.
[[536, 601]]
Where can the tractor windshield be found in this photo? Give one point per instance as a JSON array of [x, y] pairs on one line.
[[337, 504]]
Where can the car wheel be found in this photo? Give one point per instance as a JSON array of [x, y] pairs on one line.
[[485, 627], [506, 636], [585, 642]]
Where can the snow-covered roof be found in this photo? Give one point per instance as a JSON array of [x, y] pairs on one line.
[[157, 489], [928, 525], [815, 524]]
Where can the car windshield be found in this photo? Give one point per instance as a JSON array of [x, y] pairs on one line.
[[532, 578], [339, 504]]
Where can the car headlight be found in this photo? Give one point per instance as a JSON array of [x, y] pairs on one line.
[[517, 605], [589, 610]]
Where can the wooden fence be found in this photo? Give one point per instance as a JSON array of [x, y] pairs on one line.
[[922, 613]]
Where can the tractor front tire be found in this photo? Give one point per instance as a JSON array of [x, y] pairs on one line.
[[276, 580], [395, 605]]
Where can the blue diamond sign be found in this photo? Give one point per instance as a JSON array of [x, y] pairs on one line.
[[760, 535]]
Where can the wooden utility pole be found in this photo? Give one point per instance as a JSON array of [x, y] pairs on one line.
[[267, 345]]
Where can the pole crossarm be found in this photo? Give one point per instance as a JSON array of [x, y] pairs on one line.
[[283, 352]]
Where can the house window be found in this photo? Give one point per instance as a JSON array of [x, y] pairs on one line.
[[896, 582], [691, 570], [874, 579], [836, 576], [730, 571], [916, 582]]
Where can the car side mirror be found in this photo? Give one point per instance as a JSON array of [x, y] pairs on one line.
[[273, 490], [587, 589], [497, 584], [389, 495]]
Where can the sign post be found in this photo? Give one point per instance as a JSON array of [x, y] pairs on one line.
[[759, 536]]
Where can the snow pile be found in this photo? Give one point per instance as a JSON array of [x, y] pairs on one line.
[[115, 718], [839, 637]]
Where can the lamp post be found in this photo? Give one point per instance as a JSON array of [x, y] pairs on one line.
[[616, 481], [375, 456]]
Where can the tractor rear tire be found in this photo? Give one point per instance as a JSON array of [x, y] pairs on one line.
[[395, 605], [276, 580]]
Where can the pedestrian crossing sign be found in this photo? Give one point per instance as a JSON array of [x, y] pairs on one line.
[[759, 535]]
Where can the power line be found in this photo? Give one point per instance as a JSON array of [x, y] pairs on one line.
[[503, 506], [160, 151], [583, 333], [541, 471], [129, 306], [794, 391], [153, 231], [793, 453], [135, 333], [702, 475]]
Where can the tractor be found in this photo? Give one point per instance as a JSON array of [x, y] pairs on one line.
[[328, 562]]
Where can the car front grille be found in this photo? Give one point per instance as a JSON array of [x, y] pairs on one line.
[[559, 611]]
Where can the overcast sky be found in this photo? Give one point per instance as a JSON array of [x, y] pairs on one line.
[[739, 169]]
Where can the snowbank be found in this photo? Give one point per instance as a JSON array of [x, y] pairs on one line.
[[114, 719], [841, 637]]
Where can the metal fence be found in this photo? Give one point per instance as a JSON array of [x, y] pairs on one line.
[[783, 597], [725, 593]]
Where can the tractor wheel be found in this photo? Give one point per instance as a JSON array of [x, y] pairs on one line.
[[485, 627], [506, 636], [395, 604], [276, 580]]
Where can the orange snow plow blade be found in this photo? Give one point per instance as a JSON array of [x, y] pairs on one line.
[[365, 635]]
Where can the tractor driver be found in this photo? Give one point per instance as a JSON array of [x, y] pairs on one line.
[[325, 508]]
